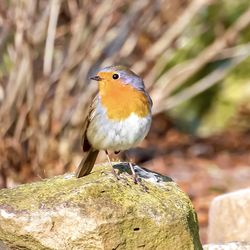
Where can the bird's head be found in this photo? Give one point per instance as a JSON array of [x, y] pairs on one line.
[[118, 75]]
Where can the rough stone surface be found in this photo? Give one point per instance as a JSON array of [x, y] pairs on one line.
[[229, 217], [228, 246], [3, 246], [98, 212]]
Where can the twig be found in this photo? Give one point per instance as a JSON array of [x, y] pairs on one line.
[[49, 46], [202, 85], [236, 51], [170, 35], [180, 73]]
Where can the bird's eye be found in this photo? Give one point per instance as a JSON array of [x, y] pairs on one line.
[[115, 76]]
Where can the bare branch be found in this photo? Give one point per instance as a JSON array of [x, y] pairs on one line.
[[180, 73], [202, 85], [170, 35], [49, 47]]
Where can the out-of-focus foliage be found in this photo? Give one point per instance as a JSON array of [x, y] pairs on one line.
[[213, 110], [188, 52]]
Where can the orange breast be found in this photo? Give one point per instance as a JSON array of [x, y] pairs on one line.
[[121, 100]]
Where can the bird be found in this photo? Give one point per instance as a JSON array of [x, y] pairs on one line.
[[118, 119]]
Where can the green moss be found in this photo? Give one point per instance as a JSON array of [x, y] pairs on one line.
[[20, 242], [127, 216]]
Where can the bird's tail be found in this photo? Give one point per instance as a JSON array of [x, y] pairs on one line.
[[87, 163]]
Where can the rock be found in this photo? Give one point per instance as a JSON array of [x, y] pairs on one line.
[[99, 212], [228, 246], [229, 217], [3, 246]]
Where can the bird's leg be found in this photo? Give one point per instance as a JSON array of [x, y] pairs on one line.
[[112, 169], [135, 177]]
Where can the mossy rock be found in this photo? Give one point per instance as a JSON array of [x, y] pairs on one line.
[[99, 212]]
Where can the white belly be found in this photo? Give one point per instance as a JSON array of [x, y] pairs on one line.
[[104, 134]]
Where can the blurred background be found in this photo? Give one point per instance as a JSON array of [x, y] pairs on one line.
[[192, 54]]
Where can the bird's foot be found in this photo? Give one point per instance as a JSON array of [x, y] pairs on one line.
[[136, 178], [134, 175], [114, 173]]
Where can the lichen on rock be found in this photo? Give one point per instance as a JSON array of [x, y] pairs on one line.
[[99, 212]]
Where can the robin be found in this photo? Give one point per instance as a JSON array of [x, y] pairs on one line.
[[119, 116]]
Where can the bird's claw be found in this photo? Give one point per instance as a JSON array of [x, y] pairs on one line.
[[115, 174]]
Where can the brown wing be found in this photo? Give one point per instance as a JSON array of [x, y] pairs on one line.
[[85, 143]]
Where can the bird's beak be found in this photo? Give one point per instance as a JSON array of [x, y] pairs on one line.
[[96, 78]]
